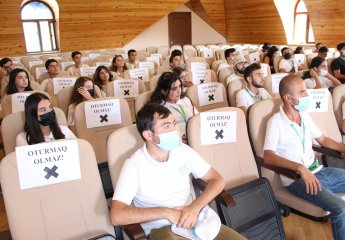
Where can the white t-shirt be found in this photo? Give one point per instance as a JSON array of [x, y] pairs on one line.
[[233, 77], [288, 64], [21, 137], [75, 72], [246, 98], [149, 183], [281, 137], [325, 82], [182, 111], [223, 65]]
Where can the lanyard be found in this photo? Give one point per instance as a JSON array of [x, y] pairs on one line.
[[181, 112], [299, 135], [255, 97]]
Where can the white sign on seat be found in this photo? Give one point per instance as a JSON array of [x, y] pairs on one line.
[[201, 76], [94, 55], [64, 65], [149, 65], [60, 83], [140, 73], [254, 57], [155, 59], [40, 71], [208, 53], [33, 63], [87, 71], [276, 78], [210, 93], [48, 163], [300, 58], [126, 88], [157, 55], [318, 100], [107, 64], [18, 100], [264, 69], [102, 113], [195, 66]]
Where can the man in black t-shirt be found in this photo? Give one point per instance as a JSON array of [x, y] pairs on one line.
[[338, 65]]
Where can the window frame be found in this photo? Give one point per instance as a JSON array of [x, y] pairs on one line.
[[308, 23], [51, 31]]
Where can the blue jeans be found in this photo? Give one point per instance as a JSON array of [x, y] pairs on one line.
[[332, 181]]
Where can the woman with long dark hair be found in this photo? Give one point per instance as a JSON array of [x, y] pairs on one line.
[[119, 67], [40, 122], [18, 82], [268, 59], [102, 78]]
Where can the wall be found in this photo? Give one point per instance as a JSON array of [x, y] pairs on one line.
[[286, 11]]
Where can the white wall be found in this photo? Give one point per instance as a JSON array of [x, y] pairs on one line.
[[158, 33]]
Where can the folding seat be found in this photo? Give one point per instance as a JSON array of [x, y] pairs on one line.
[[153, 82], [68, 210], [271, 83], [13, 124], [46, 75], [214, 96], [141, 100], [329, 63], [255, 214], [164, 50], [310, 57], [63, 99], [233, 89], [151, 50], [276, 60], [338, 97], [223, 74], [189, 52], [302, 60], [34, 85], [219, 54], [163, 68], [216, 64], [32, 70], [173, 47]]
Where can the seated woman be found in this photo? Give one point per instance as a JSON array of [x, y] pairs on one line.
[[18, 82], [299, 50], [119, 67], [169, 94], [83, 90], [318, 76], [102, 78], [268, 59], [41, 123], [184, 76]]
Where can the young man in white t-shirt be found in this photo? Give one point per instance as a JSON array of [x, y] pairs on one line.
[[240, 63], [288, 64], [229, 55], [74, 71], [288, 144], [156, 178], [254, 92]]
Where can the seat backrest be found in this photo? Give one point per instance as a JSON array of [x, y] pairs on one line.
[[192, 94], [69, 210], [141, 100], [233, 160], [13, 124], [64, 98], [329, 63], [223, 74], [233, 89], [163, 68], [98, 136], [338, 96], [151, 50], [153, 82], [216, 64], [276, 60], [121, 144], [34, 85]]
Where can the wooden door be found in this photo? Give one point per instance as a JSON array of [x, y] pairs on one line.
[[180, 28]]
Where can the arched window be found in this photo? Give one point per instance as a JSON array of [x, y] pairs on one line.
[[39, 27], [303, 32]]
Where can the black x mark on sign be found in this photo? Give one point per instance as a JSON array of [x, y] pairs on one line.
[[211, 97], [104, 118], [202, 80], [51, 172], [219, 134], [318, 105], [125, 92], [141, 78]]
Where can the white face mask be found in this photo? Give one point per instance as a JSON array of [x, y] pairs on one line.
[[323, 72]]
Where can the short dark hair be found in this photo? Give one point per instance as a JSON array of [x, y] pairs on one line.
[[340, 46], [49, 61], [228, 51], [130, 51], [164, 84], [146, 116], [4, 61], [317, 44], [75, 53], [323, 49], [97, 80], [266, 46], [176, 52], [283, 49], [11, 87], [250, 69]]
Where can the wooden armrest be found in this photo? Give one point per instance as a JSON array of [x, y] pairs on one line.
[[134, 231], [284, 171], [224, 197], [327, 151]]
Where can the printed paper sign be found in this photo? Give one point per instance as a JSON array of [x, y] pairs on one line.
[[85, 59], [157, 55], [155, 59], [264, 69], [195, 66], [318, 100], [300, 58], [64, 65], [60, 83], [40, 71], [149, 65], [94, 55], [254, 57], [201, 76], [330, 55], [107, 64], [126, 88], [244, 53], [18, 100], [208, 53], [48, 163], [276, 78], [124, 56], [87, 71], [218, 127], [33, 63], [140, 73], [209, 93], [308, 51], [102, 113]]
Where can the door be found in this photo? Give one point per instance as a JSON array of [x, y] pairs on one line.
[[180, 28]]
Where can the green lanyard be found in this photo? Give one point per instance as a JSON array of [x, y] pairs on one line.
[[181, 112], [299, 136], [255, 97]]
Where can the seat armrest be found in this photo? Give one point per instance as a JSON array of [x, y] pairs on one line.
[[327, 151], [134, 231], [224, 197], [284, 171]]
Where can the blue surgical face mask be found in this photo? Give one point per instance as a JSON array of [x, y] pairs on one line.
[[303, 103], [168, 141]]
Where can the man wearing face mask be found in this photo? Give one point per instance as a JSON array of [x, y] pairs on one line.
[[157, 179], [240, 63], [338, 65], [254, 92], [288, 64], [288, 144]]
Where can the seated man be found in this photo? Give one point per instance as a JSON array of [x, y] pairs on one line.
[[317, 47], [175, 59], [53, 71], [229, 54], [254, 92], [6, 67], [338, 65], [157, 179], [132, 62], [323, 52], [288, 64], [288, 144], [74, 71], [240, 63]]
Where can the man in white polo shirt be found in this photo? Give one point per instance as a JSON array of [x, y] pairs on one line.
[[254, 92], [288, 144]]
